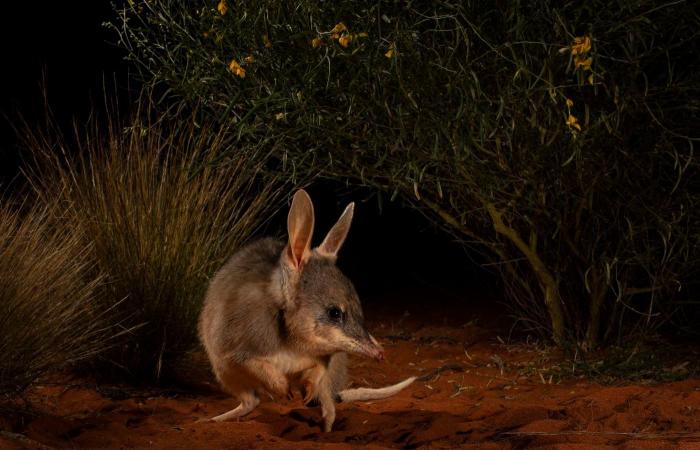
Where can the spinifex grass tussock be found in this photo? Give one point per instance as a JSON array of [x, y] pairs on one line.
[[557, 139], [161, 218], [49, 317]]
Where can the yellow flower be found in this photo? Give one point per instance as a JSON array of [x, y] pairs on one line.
[[236, 68], [280, 116], [572, 122], [569, 103], [581, 45], [266, 41], [316, 42], [222, 7], [390, 53], [339, 27], [249, 59], [345, 40], [585, 63]]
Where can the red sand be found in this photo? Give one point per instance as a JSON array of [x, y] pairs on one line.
[[474, 404]]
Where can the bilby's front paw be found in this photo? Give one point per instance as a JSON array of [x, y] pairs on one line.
[[310, 382], [328, 415], [309, 390]]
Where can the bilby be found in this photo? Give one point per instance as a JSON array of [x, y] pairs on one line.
[[280, 314]]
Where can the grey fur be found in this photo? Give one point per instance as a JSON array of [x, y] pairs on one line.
[[279, 314]]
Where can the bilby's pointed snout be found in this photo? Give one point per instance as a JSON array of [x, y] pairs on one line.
[[367, 345]]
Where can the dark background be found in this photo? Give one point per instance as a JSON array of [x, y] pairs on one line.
[[62, 49]]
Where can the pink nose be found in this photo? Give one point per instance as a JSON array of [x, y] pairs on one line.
[[378, 350]]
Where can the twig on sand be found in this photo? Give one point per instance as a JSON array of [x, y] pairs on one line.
[[638, 435], [17, 437], [445, 368]]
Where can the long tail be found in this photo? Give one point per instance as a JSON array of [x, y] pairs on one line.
[[364, 394]]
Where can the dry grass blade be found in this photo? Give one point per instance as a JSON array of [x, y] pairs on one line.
[[48, 298]]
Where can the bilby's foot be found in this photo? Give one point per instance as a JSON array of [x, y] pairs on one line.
[[248, 403]]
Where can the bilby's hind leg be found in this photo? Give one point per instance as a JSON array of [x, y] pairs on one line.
[[248, 403], [269, 375], [236, 381], [338, 372]]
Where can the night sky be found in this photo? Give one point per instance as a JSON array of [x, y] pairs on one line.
[[60, 46]]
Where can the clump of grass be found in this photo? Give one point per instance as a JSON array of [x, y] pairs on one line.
[[657, 363], [644, 359], [48, 298], [161, 218]]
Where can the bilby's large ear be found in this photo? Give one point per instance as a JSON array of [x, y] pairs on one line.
[[300, 226], [335, 238]]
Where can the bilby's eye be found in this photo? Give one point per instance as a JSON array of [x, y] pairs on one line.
[[335, 314]]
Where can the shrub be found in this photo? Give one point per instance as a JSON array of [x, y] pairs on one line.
[[557, 139], [161, 218], [49, 318]]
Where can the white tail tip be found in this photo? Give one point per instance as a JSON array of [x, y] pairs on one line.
[[365, 394]]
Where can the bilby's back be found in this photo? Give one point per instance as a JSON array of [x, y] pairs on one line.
[[240, 314]]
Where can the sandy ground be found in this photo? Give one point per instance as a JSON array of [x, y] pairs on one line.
[[488, 395]]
